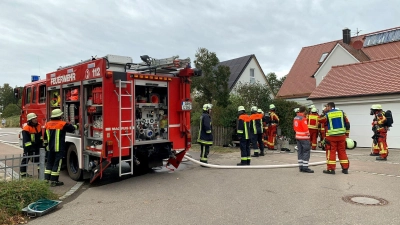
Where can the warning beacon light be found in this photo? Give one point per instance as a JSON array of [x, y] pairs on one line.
[[35, 78]]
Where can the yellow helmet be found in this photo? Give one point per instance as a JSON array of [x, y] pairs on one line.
[[272, 106], [241, 108], [31, 116], [56, 113]]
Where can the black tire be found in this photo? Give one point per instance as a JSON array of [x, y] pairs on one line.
[[73, 164]]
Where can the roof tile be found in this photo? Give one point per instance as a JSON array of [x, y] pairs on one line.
[[365, 78]]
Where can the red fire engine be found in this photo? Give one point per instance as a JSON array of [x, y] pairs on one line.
[[138, 113]]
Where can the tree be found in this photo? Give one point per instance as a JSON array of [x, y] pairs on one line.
[[256, 94], [213, 84], [11, 110], [274, 82], [6, 96]]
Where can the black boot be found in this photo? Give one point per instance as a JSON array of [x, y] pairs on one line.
[[56, 183], [374, 154], [255, 154], [242, 163], [301, 168], [329, 171], [380, 159], [248, 162], [203, 162], [345, 171], [262, 153], [307, 170]]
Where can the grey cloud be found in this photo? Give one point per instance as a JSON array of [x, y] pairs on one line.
[[56, 33]]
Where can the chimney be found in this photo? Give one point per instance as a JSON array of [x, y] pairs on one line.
[[346, 35]]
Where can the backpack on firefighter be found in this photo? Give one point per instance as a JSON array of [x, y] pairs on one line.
[[389, 118]]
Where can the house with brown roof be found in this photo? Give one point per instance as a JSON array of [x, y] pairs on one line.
[[355, 73], [245, 69]]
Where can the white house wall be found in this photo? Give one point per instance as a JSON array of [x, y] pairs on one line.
[[357, 111], [338, 56], [258, 75]]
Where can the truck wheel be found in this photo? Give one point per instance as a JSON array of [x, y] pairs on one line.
[[73, 164]]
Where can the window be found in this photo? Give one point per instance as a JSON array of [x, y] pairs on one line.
[[28, 94], [323, 56], [34, 95], [42, 93], [252, 78]]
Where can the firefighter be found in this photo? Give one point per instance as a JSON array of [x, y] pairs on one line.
[[321, 128], [312, 120], [380, 132], [375, 146], [256, 129], [337, 125], [300, 126], [55, 139], [243, 128], [32, 141], [56, 99], [260, 140], [205, 133], [273, 123], [310, 107]]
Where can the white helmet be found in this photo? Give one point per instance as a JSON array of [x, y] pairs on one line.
[[311, 106], [272, 106], [31, 116], [207, 106], [254, 109], [314, 110], [241, 108], [56, 113], [296, 110]]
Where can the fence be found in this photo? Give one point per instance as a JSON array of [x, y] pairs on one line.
[[222, 135], [9, 166]]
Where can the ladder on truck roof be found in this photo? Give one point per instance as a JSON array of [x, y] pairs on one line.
[[128, 133], [166, 65]]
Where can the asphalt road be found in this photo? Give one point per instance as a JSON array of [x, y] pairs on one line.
[[196, 195]]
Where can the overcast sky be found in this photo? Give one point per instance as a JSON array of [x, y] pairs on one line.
[[36, 37]]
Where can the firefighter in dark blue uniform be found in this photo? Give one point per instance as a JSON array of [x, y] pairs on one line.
[[55, 139], [243, 127], [32, 141], [205, 137]]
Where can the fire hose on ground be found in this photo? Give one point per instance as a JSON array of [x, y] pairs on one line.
[[254, 166]]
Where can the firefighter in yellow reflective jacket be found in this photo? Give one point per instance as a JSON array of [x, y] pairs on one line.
[[242, 127], [32, 141], [55, 139], [205, 137]]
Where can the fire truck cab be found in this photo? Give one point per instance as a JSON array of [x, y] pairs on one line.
[[135, 113]]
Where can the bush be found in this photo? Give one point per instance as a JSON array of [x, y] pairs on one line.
[[11, 110], [16, 195], [12, 121]]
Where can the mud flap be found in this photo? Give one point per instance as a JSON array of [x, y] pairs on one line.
[[177, 160], [99, 170]]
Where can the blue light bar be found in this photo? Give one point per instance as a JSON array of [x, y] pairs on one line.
[[35, 78]]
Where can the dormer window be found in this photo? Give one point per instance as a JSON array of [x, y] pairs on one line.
[[323, 56]]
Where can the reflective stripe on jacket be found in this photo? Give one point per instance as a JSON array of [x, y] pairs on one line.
[[32, 137], [300, 126], [243, 126], [312, 121], [335, 120], [256, 123], [205, 135], [55, 134]]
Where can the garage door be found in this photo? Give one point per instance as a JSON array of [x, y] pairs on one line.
[[360, 123]]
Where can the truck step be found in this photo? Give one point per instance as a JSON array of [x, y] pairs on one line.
[[127, 160], [126, 95], [125, 147], [129, 173], [128, 134], [126, 108], [126, 121]]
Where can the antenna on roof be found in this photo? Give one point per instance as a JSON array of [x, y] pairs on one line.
[[357, 32]]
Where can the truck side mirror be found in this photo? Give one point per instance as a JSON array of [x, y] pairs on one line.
[[197, 72], [17, 93]]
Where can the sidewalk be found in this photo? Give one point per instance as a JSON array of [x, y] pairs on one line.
[[9, 150]]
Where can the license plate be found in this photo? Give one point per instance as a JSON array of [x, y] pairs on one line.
[[186, 105]]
